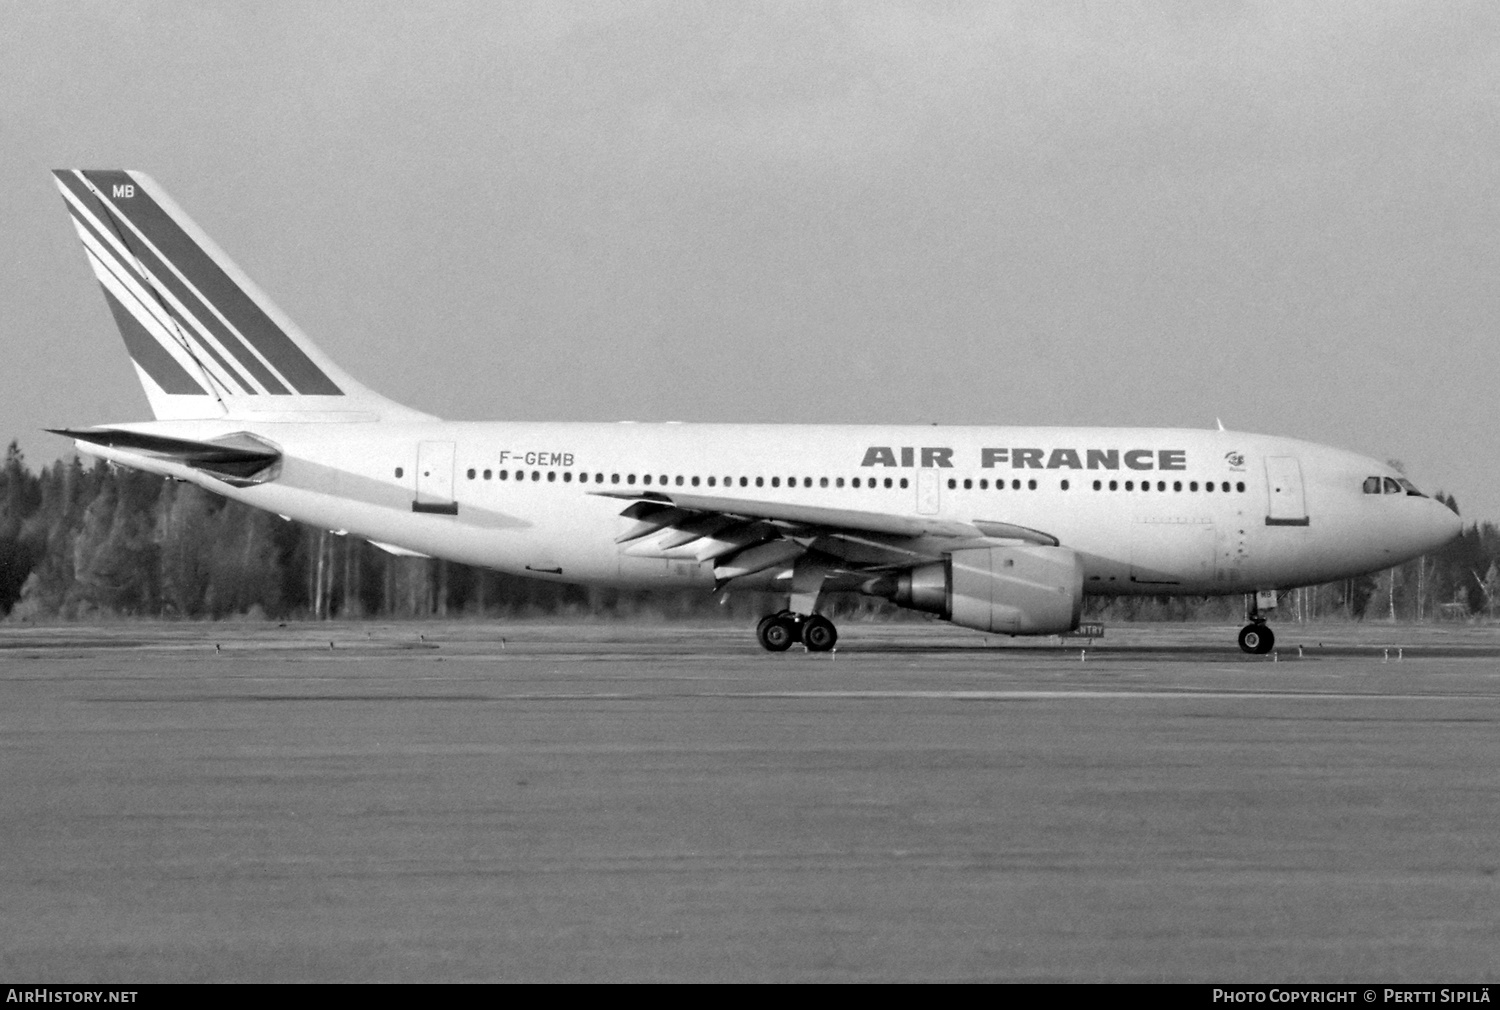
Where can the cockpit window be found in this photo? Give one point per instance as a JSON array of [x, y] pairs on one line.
[[1391, 485]]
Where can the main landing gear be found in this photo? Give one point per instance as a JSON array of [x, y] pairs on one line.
[[778, 632]]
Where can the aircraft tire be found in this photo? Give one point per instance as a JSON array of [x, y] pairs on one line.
[[1257, 639], [776, 633], [819, 634]]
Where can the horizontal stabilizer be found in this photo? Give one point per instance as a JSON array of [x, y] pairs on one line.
[[240, 458]]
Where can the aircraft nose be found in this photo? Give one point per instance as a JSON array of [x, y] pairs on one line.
[[1440, 524]]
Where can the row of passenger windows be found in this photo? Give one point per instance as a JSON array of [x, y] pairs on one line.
[[1099, 485], [681, 481], [838, 482]]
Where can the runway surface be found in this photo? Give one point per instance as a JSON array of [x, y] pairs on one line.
[[424, 802]]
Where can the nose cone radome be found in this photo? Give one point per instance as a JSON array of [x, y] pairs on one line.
[[1441, 524]]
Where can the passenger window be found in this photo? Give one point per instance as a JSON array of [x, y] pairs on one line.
[[887, 482], [1240, 487], [1097, 485], [822, 482], [551, 476], [1130, 485], [952, 483], [1114, 485], [711, 481], [399, 471], [968, 484], [759, 481], [854, 482], [1193, 486], [1177, 485], [487, 475], [775, 482], [1031, 485], [646, 479], [567, 476], [1064, 485], [838, 482], [695, 481], [1015, 485], [471, 473]]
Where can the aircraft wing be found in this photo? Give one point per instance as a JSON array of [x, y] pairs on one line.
[[805, 515], [744, 535]]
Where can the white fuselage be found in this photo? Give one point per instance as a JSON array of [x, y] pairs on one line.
[[1294, 512]]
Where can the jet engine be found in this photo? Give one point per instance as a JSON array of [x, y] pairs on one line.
[[1015, 590]]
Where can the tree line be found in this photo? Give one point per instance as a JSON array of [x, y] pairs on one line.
[[79, 542]]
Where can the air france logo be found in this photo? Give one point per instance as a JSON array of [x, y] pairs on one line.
[[1236, 460], [1030, 458]]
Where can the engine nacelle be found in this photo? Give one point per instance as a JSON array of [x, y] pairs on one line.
[[1015, 590]]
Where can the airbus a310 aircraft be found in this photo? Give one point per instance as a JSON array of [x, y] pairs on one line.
[[1001, 529]]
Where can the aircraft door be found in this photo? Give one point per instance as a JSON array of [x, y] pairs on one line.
[[1287, 505], [435, 479], [927, 492]]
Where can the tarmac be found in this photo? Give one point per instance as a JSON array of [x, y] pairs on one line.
[[612, 802]]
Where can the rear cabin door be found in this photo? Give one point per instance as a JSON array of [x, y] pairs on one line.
[[1287, 507], [927, 492], [435, 479]]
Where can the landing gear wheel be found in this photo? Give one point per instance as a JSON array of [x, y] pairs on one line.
[[776, 633], [819, 634], [1256, 639]]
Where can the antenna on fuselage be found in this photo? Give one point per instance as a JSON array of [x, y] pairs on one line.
[[1219, 423]]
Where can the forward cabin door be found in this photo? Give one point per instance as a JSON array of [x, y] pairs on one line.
[[927, 492], [1287, 506], [435, 479]]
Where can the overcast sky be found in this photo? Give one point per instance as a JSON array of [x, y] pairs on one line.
[[1281, 215]]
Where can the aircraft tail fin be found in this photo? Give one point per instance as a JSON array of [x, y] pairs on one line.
[[205, 341]]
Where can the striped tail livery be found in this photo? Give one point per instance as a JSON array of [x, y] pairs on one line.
[[205, 341]]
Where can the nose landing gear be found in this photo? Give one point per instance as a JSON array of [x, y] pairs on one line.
[[778, 632], [1256, 638]]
